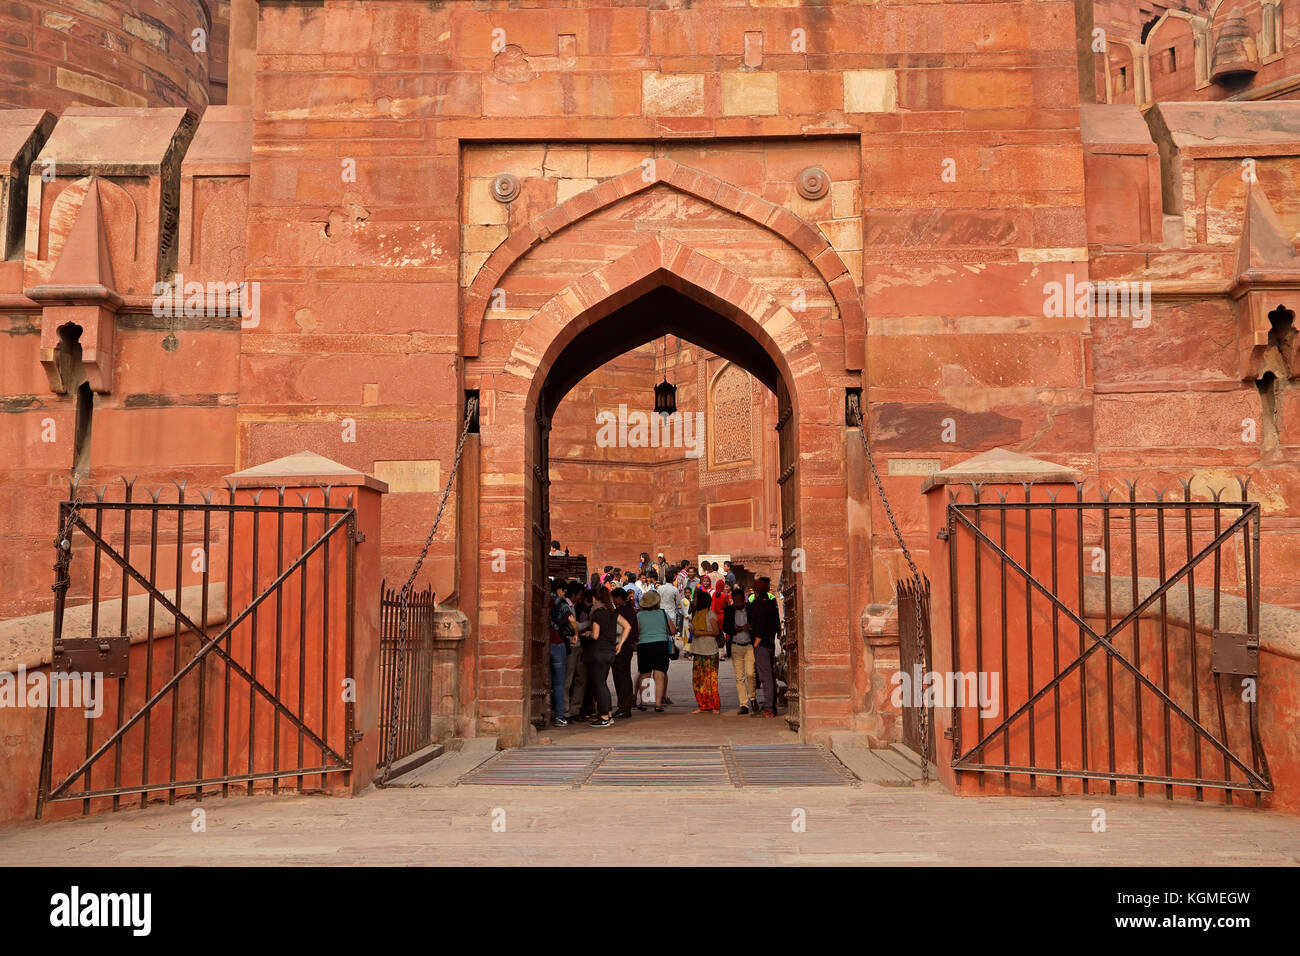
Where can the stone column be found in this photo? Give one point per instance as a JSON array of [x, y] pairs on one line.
[[979, 637]]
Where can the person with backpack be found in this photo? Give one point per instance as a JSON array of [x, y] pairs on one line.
[[765, 624], [564, 629], [740, 646], [656, 630]]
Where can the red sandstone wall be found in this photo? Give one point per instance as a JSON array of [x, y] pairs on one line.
[[602, 498], [1172, 400], [60, 53], [167, 412], [1140, 38], [409, 91], [170, 417], [364, 276]]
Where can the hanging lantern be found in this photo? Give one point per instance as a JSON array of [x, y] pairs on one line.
[[665, 394], [665, 398]]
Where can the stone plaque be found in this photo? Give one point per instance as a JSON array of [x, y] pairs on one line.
[[410, 475], [913, 466]]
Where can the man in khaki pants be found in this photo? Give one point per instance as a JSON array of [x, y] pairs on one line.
[[735, 624]]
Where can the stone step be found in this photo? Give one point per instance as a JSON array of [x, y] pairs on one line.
[[446, 770], [865, 763], [407, 764], [900, 763], [907, 753]]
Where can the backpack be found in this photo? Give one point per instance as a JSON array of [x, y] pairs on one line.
[[560, 612]]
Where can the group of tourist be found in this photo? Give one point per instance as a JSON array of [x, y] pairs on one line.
[[658, 613]]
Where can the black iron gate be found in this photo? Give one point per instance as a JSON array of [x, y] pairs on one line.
[[908, 596], [1125, 635], [219, 646], [413, 709], [791, 563]]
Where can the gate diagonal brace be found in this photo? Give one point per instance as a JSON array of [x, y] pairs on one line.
[[210, 644], [1100, 641]]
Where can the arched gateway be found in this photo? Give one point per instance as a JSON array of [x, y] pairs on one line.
[[523, 361]]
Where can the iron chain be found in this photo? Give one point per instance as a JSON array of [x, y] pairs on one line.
[[916, 577], [63, 543], [404, 598]]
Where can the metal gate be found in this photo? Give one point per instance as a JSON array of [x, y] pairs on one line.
[[908, 595], [538, 643], [412, 709], [1125, 634], [218, 649], [788, 480]]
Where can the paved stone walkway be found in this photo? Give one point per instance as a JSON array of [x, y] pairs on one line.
[[844, 825], [864, 825]]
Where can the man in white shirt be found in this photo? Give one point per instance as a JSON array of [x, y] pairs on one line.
[[632, 586], [669, 599]]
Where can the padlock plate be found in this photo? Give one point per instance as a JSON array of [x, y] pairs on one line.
[[1234, 653], [83, 655]]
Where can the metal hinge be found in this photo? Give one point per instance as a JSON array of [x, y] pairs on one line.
[[943, 534], [358, 537], [356, 735]]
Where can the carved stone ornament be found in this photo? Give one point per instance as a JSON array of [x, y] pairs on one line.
[[813, 183], [505, 188]]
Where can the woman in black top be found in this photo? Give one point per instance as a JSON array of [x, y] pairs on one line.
[[609, 630]]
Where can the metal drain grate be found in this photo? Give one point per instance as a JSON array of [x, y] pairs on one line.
[[790, 765], [536, 767], [786, 766], [662, 767]]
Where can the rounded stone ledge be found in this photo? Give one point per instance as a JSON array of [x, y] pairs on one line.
[[1279, 627], [25, 642]]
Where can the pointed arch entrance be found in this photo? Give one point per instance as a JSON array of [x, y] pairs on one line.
[[677, 291]]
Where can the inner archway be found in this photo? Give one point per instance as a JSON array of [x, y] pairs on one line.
[[701, 486]]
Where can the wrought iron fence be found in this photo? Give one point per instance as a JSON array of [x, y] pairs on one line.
[[416, 704], [907, 594]]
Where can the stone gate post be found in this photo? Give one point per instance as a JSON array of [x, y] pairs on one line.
[[325, 615]]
